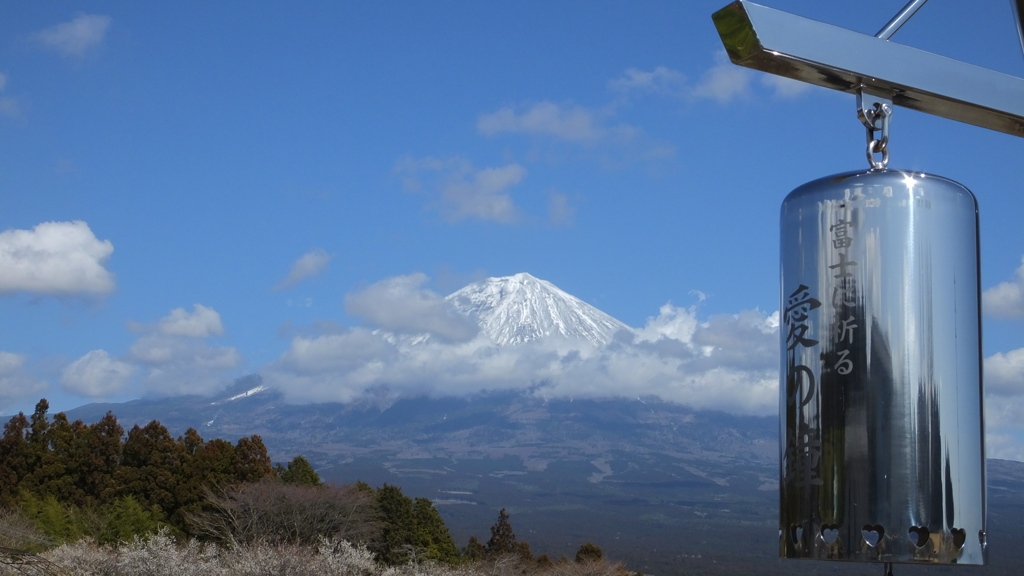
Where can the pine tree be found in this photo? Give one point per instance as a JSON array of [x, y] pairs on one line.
[[250, 461], [397, 542], [100, 458], [14, 459], [299, 471], [503, 539], [433, 540], [151, 467]]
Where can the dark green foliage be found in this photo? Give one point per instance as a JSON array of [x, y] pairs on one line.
[[432, 539], [475, 550], [151, 467], [411, 530], [250, 461], [299, 471], [100, 458], [125, 518], [589, 552], [397, 526], [14, 459], [71, 478], [58, 521], [503, 539]]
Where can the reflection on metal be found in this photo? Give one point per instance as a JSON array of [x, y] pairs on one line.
[[772, 41], [1018, 13], [882, 454], [900, 19]]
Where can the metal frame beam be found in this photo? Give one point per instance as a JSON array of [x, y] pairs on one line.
[[802, 49]]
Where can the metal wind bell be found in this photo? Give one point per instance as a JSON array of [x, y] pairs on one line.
[[882, 455]]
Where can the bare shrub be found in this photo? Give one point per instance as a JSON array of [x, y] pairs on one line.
[[276, 513], [159, 555], [17, 531]]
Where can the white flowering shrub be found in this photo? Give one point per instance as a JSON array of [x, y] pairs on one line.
[[160, 555]]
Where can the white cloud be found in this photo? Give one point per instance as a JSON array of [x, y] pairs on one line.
[[1006, 300], [78, 36], [725, 362], [464, 191], [179, 365], [661, 80], [58, 258], [96, 374], [724, 81], [15, 381], [401, 305], [200, 323], [308, 265], [563, 121], [175, 357], [1004, 373]]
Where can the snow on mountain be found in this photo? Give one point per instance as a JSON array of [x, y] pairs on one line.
[[521, 308]]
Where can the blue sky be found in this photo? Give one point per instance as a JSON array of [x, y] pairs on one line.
[[193, 193]]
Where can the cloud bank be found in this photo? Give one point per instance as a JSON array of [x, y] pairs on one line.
[[726, 362], [172, 357], [55, 258]]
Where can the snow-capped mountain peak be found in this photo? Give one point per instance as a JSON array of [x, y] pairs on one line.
[[521, 308]]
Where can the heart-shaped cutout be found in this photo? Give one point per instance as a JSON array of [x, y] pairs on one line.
[[872, 534], [919, 535], [829, 533], [796, 533], [959, 537]]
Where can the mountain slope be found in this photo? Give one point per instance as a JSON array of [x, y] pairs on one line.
[[520, 308]]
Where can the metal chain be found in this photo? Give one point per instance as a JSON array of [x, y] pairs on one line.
[[877, 120]]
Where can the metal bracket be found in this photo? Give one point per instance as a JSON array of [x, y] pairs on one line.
[[802, 49]]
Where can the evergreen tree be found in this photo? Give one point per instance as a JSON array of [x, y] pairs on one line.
[[100, 458], [299, 471], [475, 550], [58, 472], [250, 461], [503, 539], [397, 539], [151, 467], [433, 541], [125, 518], [14, 459]]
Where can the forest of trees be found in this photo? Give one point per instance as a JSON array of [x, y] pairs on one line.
[[94, 488]]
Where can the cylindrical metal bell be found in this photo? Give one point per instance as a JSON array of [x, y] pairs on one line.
[[882, 440]]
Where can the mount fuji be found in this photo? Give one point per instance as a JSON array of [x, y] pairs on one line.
[[521, 308]]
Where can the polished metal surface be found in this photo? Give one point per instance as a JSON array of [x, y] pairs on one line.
[[787, 45], [1018, 12], [900, 19], [882, 452]]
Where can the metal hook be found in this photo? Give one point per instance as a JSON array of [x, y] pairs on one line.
[[875, 112]]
